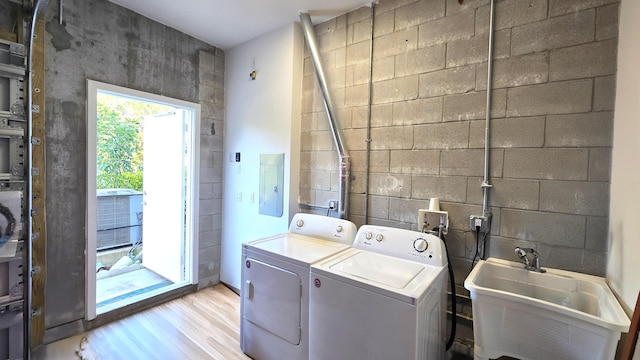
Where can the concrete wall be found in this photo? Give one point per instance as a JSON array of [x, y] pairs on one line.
[[262, 116], [7, 16], [104, 42], [552, 121], [624, 227]]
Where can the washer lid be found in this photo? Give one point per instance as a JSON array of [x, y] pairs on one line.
[[390, 271], [297, 247]]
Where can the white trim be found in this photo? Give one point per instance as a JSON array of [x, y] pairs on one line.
[[194, 211], [192, 225], [90, 216]]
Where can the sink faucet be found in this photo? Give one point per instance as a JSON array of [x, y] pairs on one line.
[[535, 266]]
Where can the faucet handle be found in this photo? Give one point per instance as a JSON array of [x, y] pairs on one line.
[[522, 254], [536, 261]]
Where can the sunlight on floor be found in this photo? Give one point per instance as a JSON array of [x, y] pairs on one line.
[[127, 284]]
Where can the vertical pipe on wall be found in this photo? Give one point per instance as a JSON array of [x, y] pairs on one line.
[[28, 275], [487, 139], [345, 165], [368, 140]]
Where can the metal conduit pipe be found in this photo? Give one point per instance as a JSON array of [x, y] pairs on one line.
[[487, 138], [368, 140], [338, 137], [28, 275]]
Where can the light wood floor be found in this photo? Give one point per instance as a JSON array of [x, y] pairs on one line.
[[203, 325]]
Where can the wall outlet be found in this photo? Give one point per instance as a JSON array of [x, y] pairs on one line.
[[484, 222], [429, 219], [333, 205]]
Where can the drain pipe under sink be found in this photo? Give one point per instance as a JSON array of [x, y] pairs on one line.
[[338, 137]]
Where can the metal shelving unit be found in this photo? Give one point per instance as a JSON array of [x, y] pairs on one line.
[[14, 217]]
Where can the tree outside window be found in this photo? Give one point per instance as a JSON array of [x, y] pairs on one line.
[[120, 140]]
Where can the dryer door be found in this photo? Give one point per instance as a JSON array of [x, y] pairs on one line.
[[272, 299]]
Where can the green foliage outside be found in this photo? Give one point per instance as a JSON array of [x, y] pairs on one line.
[[119, 140]]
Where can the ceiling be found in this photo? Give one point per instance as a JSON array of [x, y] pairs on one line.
[[227, 23]]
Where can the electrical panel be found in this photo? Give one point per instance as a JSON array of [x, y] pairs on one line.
[[13, 176]]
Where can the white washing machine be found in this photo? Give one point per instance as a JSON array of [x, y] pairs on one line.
[[274, 301], [385, 298]]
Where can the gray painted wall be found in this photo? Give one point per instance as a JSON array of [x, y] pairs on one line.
[[105, 42]]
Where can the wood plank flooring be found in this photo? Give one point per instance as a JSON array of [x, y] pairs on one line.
[[202, 325]]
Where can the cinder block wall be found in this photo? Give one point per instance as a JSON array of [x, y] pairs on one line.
[[551, 128], [211, 66]]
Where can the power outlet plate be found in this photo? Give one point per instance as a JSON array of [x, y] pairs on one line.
[[483, 221], [429, 219]]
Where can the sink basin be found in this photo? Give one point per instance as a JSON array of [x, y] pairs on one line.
[[553, 315]]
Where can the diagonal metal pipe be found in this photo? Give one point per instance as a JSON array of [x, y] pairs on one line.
[[338, 137]]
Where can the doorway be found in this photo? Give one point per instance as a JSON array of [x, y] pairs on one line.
[[142, 176]]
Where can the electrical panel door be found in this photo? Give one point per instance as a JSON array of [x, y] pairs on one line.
[[271, 184]]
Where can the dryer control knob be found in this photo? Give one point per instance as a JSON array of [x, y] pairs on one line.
[[299, 223], [368, 236], [339, 228], [420, 244], [379, 237]]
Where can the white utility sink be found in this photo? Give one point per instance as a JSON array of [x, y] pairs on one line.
[[553, 315]]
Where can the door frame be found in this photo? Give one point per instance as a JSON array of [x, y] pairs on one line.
[[192, 196]]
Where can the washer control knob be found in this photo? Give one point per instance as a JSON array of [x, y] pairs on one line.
[[299, 223], [339, 228], [368, 235], [379, 237], [420, 244]]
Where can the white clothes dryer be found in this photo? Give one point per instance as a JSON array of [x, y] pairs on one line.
[[385, 298], [274, 301]]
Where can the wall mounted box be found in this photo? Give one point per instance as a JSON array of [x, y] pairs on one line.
[[271, 184]]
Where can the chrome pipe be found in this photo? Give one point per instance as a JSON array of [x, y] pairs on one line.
[[343, 189], [338, 137], [487, 135], [368, 140]]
